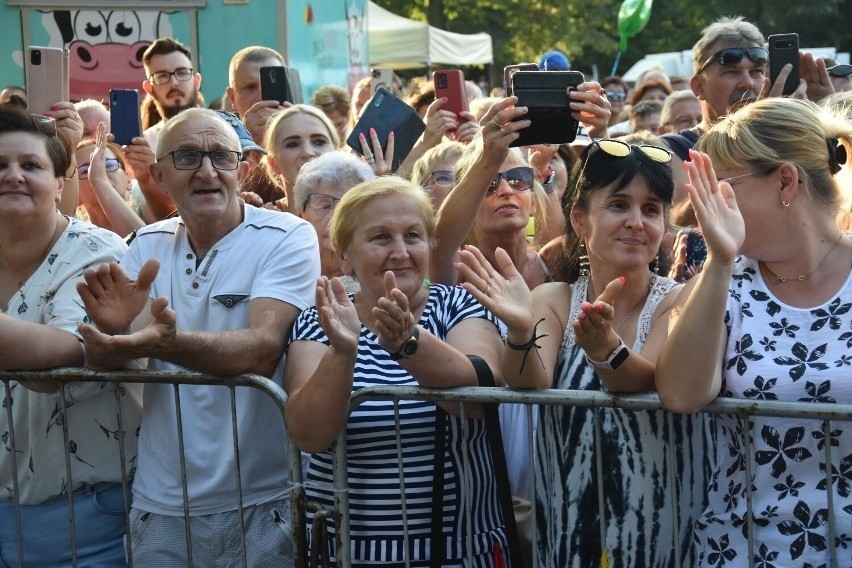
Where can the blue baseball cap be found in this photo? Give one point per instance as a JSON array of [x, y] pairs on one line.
[[247, 143], [554, 61]]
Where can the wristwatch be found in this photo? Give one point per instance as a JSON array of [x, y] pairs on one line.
[[409, 346], [615, 359]]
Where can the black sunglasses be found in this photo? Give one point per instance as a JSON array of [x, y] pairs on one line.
[[519, 179], [734, 55], [841, 70], [616, 96]]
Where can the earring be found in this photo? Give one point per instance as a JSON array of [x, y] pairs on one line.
[[785, 203], [655, 265], [584, 259]]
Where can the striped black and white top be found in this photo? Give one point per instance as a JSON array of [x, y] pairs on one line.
[[375, 495]]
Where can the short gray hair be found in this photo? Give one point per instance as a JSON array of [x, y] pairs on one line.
[[191, 114], [667, 114], [336, 168], [728, 30], [251, 54]]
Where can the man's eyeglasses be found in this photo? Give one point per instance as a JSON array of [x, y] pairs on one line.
[[320, 202], [442, 178], [191, 159], [110, 164], [684, 122], [163, 77], [617, 96], [734, 55], [519, 179]]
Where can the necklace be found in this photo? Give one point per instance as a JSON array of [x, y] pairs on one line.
[[780, 278], [633, 311]]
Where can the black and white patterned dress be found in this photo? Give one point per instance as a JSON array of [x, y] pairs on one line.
[[638, 518], [779, 352], [375, 502]]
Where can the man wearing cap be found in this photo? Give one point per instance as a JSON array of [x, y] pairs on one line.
[[554, 60], [214, 290]]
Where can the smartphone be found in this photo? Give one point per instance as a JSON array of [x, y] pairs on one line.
[[696, 249], [381, 78], [47, 77], [450, 83], [280, 84], [125, 120], [509, 70], [783, 49], [387, 113], [545, 94]]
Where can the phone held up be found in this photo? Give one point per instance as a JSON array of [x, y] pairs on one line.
[[449, 83], [510, 70], [47, 77], [783, 49], [280, 84], [546, 96], [125, 121], [381, 78]]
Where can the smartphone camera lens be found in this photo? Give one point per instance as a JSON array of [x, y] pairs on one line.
[[376, 73], [442, 81], [35, 57]]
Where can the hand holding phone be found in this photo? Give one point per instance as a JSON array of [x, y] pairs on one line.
[[449, 83], [47, 77], [125, 121], [784, 49], [280, 84]]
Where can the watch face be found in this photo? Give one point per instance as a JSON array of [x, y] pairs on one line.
[[619, 358], [409, 348]]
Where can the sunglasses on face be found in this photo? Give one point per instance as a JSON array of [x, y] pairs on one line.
[[442, 178], [734, 55], [111, 165], [617, 96], [519, 179], [841, 70]]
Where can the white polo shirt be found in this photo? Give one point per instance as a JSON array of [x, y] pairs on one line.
[[269, 255]]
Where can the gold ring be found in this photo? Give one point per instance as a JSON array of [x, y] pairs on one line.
[[488, 290], [496, 125], [601, 322], [601, 100]]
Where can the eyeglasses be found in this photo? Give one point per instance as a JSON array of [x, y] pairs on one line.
[[110, 164], [734, 55], [441, 178], [163, 77], [841, 70], [619, 149], [763, 172], [519, 179], [321, 203], [617, 96], [684, 122], [192, 159]]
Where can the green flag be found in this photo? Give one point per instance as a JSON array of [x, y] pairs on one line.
[[633, 16]]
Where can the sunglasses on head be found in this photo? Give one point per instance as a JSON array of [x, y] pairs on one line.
[[619, 149], [734, 55], [519, 179]]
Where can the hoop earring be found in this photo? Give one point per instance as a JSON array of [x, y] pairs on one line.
[[584, 260], [785, 203]]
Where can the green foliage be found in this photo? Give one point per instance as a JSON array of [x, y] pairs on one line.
[[588, 31]]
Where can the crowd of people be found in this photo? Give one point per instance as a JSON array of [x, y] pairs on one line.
[[251, 239]]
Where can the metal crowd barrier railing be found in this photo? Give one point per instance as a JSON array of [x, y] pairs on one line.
[[176, 379], [587, 399]]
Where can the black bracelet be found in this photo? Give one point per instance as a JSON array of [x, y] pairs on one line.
[[528, 345]]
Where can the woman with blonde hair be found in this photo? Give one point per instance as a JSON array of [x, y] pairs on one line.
[[769, 318]]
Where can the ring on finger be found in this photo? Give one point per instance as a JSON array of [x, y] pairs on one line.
[[488, 289], [601, 100], [496, 125], [369, 158], [601, 322]]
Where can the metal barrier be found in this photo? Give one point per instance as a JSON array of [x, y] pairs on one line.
[[176, 379], [588, 399]]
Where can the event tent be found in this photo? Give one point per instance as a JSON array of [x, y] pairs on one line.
[[401, 43]]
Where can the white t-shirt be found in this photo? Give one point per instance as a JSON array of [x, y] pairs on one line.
[[269, 255], [152, 134]]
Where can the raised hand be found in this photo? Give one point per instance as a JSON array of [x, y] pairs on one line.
[[439, 122], [502, 291], [499, 129], [394, 321], [715, 207], [468, 127], [380, 161], [112, 299], [591, 107], [593, 330], [337, 315]]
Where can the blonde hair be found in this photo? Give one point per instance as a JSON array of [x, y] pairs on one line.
[[771, 132], [443, 152], [271, 135], [349, 212]]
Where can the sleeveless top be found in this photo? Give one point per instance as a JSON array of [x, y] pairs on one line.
[[637, 491]]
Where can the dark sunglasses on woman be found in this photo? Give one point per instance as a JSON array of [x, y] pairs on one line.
[[519, 179]]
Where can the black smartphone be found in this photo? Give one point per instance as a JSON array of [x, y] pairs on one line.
[[124, 117], [386, 113], [783, 49], [280, 84], [545, 94], [510, 70], [696, 249]]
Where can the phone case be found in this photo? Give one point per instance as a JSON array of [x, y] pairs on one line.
[[783, 49], [545, 94], [280, 84], [450, 83], [387, 113], [510, 70], [125, 121], [47, 77], [381, 78]]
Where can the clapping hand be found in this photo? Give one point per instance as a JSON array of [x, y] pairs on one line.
[[112, 299], [593, 329], [337, 315], [394, 321]]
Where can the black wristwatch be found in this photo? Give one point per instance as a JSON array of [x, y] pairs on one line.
[[615, 359], [409, 346]]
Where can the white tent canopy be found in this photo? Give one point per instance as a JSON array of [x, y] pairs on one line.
[[401, 43]]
